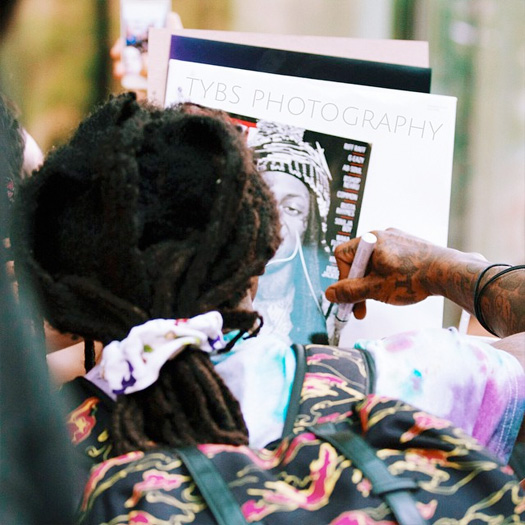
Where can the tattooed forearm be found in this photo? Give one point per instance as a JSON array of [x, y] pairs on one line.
[[456, 280], [503, 301]]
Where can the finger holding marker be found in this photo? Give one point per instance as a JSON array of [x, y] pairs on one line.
[[359, 310], [344, 256], [344, 290], [350, 262], [362, 256], [357, 269]]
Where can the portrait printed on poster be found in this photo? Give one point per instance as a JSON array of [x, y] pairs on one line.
[[318, 182]]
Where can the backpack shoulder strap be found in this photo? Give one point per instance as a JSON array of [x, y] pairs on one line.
[[212, 486], [328, 380], [395, 490]]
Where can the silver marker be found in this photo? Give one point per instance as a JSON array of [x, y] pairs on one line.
[[362, 256]]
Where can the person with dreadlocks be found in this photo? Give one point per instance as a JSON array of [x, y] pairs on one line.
[[290, 294], [147, 215]]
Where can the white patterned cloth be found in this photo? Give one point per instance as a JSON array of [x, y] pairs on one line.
[[134, 363]]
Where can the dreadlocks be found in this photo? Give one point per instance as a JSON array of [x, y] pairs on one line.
[[144, 214]]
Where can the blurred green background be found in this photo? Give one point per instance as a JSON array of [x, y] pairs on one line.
[[55, 65]]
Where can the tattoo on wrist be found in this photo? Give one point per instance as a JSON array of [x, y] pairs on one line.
[[498, 309]]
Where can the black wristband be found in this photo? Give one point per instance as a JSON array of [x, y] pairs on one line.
[[479, 290]]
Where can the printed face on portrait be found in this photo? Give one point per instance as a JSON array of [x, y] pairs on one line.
[[293, 202]]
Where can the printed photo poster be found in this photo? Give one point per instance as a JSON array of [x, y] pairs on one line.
[[318, 182], [387, 155]]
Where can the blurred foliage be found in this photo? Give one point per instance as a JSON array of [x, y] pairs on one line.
[[50, 63], [453, 75], [478, 55], [55, 62], [204, 14]]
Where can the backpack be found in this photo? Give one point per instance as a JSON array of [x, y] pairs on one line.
[[386, 463], [348, 456]]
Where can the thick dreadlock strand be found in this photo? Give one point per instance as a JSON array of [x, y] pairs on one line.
[[151, 213], [253, 236], [128, 428], [232, 429], [255, 239], [189, 404], [172, 265], [230, 189]]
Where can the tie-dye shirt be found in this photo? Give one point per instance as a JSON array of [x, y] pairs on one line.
[[259, 372], [456, 377], [451, 375]]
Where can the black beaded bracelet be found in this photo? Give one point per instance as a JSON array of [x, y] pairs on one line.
[[478, 291]]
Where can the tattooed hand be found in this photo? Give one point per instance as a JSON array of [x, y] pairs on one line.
[[396, 273], [404, 270]]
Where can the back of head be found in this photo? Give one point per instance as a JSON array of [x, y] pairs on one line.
[[145, 213], [149, 213]]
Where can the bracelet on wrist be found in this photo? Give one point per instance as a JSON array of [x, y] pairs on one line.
[[479, 290]]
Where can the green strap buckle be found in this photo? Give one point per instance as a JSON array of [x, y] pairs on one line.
[[394, 490], [212, 486]]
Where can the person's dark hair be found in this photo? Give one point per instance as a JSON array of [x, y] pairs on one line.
[[12, 155], [149, 213]]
